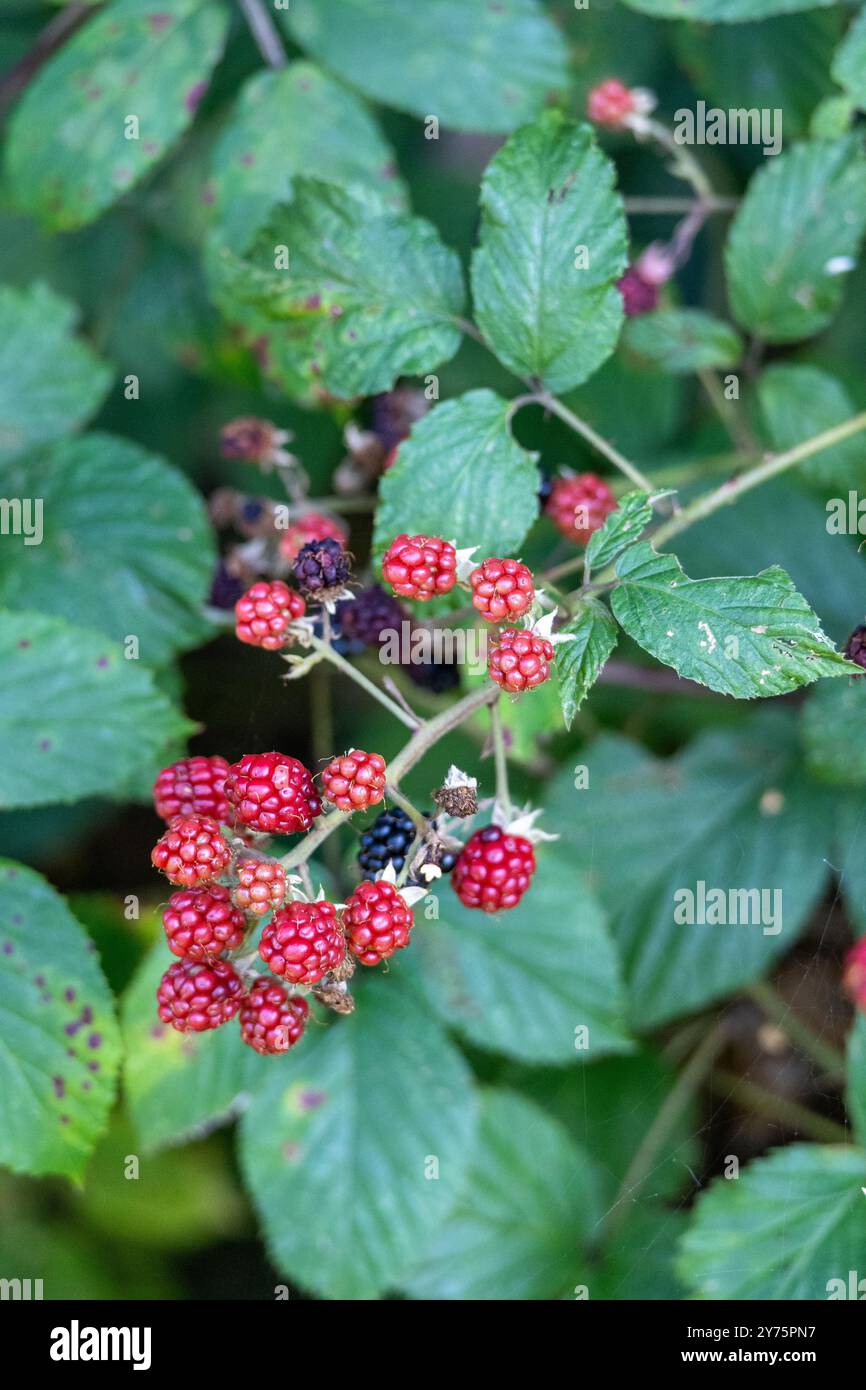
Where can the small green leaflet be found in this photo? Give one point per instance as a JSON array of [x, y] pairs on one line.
[[290, 120], [790, 1227], [50, 381], [368, 295], [834, 732], [849, 63], [578, 663], [683, 340], [461, 475], [798, 401], [61, 1049], [106, 497], [553, 241], [478, 66], [72, 148], [516, 1234], [76, 718], [796, 234], [358, 1109], [747, 637], [633, 513]]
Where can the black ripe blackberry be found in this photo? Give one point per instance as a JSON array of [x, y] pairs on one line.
[[322, 568], [388, 841], [368, 615]]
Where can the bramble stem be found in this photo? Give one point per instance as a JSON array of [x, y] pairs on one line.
[[430, 733], [740, 435], [417, 818], [789, 1113], [265, 33], [574, 422], [685, 165], [311, 841], [500, 758], [770, 467], [677, 205], [327, 651]]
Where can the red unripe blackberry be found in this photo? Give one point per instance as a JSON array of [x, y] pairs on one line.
[[311, 526], [420, 567], [493, 870], [520, 660], [303, 942], [578, 506], [377, 921], [854, 973], [263, 614], [271, 1020], [609, 103], [191, 852], [355, 781], [639, 296], [192, 787], [272, 793], [502, 589], [201, 923], [261, 885], [193, 998]]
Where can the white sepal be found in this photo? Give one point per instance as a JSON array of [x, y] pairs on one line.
[[455, 777], [522, 824], [331, 602], [543, 627], [465, 563], [413, 894]]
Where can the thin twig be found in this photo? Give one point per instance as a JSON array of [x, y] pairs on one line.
[[52, 37], [265, 33], [574, 422], [788, 1113], [777, 1009], [327, 651], [500, 758], [678, 205]]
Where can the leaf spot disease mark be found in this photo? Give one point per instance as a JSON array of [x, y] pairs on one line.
[[194, 96]]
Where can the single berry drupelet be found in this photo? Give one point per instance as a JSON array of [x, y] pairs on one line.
[[855, 647], [272, 793], [854, 973], [192, 852], [578, 506], [201, 923], [322, 568], [420, 567], [368, 615], [355, 781], [271, 1020], [263, 614], [303, 942], [493, 870], [261, 886], [639, 296], [610, 103], [520, 660], [193, 997], [502, 589], [192, 787], [387, 842], [377, 922], [311, 526]]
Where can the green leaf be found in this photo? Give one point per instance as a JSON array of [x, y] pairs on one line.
[[792, 1223], [609, 1107], [178, 1085], [72, 151], [477, 972], [856, 1091], [474, 67], [799, 401], [111, 508], [60, 1046], [834, 732], [796, 232], [368, 295], [748, 637], [548, 199], [518, 1229], [849, 63], [734, 812], [76, 718], [683, 340], [623, 526], [287, 122], [578, 663], [337, 1150], [462, 476], [724, 11], [50, 381], [781, 64], [638, 1260]]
